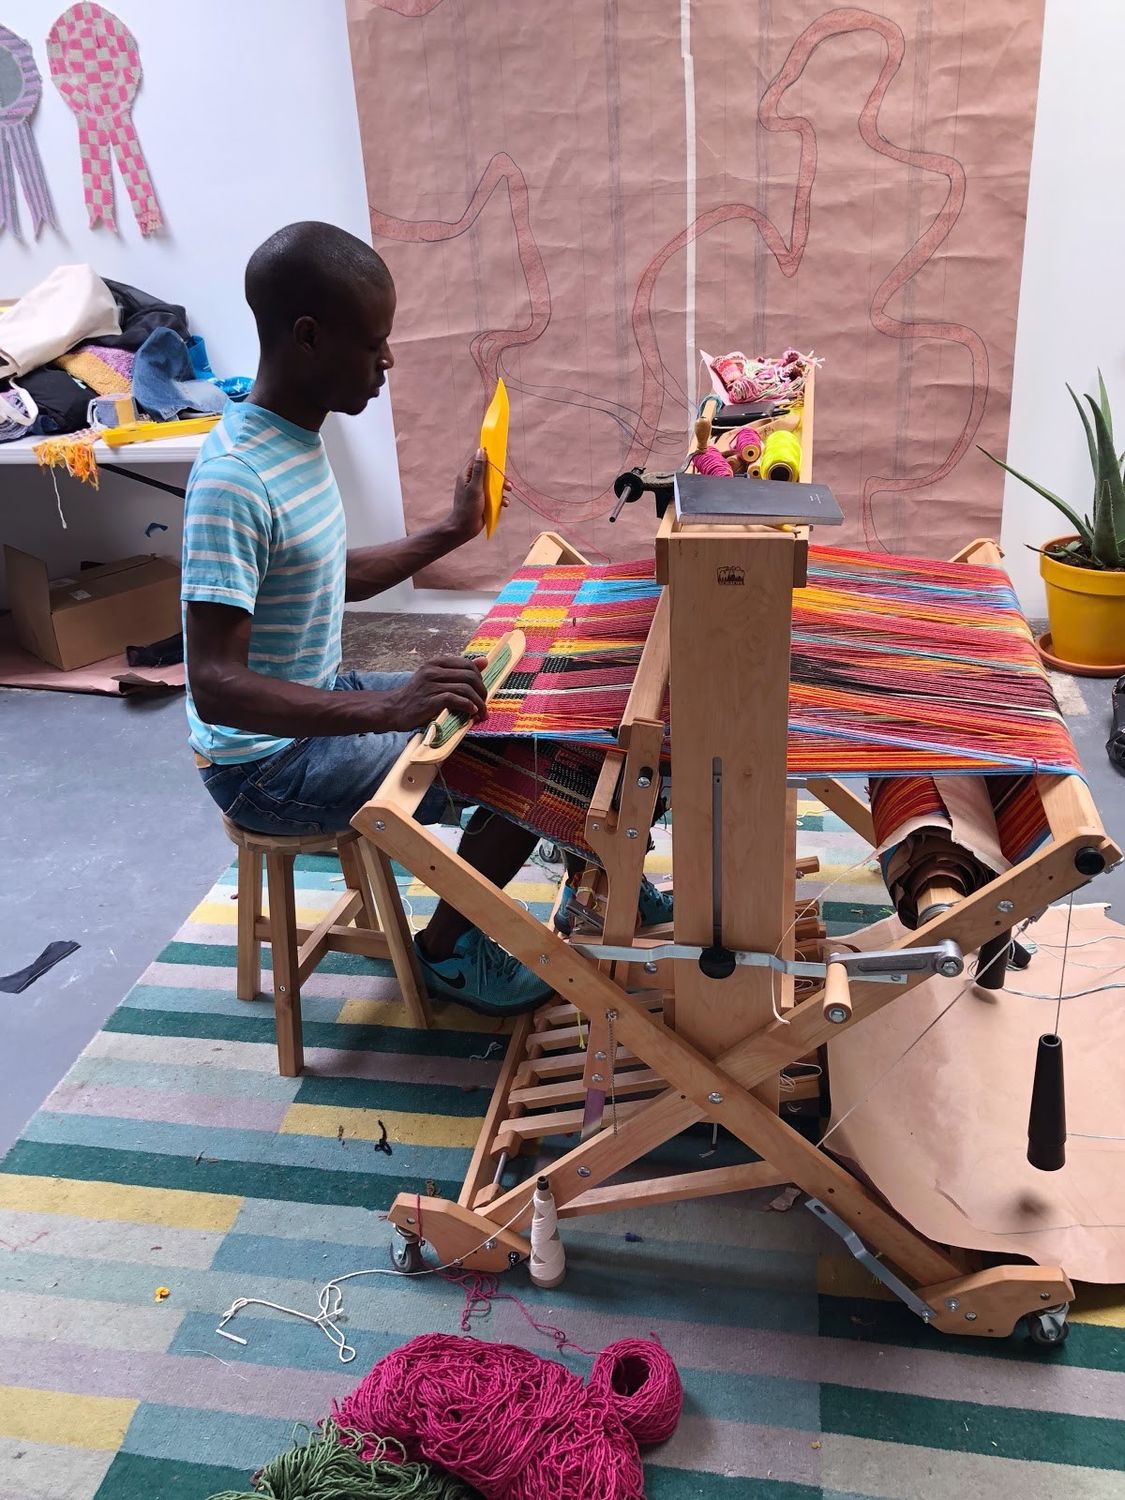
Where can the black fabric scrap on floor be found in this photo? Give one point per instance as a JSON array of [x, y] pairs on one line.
[[165, 653], [53, 953]]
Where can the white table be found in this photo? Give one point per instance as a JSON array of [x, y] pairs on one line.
[[128, 460]]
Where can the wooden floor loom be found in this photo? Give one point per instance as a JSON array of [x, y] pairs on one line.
[[653, 1033]]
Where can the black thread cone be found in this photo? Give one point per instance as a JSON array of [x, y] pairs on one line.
[[992, 961], [1046, 1125]]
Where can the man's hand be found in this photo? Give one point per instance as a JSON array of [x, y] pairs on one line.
[[467, 516], [452, 682]]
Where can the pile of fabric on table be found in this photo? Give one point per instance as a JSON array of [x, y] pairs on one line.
[[79, 354]]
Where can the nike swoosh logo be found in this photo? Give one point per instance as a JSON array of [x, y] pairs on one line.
[[456, 982]]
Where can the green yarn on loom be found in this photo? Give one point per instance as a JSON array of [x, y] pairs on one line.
[[323, 1469]]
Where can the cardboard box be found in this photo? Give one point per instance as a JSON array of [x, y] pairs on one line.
[[75, 621]]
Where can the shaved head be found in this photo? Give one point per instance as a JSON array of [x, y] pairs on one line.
[[310, 270], [324, 303]]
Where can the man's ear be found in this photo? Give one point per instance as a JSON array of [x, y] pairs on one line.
[[306, 334]]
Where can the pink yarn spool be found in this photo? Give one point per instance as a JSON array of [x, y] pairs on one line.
[[748, 444], [518, 1427], [710, 461]]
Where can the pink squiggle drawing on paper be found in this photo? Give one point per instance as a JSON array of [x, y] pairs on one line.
[[789, 256], [488, 348], [413, 9]]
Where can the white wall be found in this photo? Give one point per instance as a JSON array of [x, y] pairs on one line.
[[247, 119], [1072, 303]]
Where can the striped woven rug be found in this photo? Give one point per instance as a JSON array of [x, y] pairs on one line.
[[173, 1156]]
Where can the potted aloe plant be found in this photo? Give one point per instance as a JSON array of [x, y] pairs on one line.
[[1084, 572]]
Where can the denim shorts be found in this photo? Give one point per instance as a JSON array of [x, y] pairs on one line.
[[318, 784]]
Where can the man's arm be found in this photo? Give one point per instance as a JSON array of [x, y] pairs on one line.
[[226, 691], [373, 570]]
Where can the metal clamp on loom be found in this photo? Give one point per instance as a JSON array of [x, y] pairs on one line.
[[634, 483]]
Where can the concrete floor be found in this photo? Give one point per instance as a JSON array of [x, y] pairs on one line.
[[109, 840]]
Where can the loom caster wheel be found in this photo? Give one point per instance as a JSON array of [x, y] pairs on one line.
[[1049, 1329], [406, 1254]]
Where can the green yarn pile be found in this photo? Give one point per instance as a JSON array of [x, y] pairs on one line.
[[323, 1468]]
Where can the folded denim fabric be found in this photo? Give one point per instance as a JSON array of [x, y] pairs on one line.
[[164, 383]]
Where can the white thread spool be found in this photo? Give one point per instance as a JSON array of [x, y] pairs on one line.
[[547, 1265]]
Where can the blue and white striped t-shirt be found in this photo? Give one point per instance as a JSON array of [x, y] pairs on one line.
[[264, 532]]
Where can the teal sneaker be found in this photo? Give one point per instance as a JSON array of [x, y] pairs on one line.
[[653, 906], [484, 977]]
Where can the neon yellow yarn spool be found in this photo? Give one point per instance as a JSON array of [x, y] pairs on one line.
[[781, 456]]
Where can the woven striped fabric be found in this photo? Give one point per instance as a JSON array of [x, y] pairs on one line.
[[543, 785], [899, 665], [1020, 820], [174, 1155], [910, 860]]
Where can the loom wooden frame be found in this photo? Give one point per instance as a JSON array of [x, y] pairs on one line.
[[711, 1049]]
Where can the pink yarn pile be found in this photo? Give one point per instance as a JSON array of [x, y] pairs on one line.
[[762, 378], [517, 1426]]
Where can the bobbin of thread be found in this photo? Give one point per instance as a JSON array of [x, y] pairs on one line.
[[709, 461], [781, 456], [547, 1265], [748, 444], [1046, 1125]]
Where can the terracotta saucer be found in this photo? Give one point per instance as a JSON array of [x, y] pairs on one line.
[[1076, 669]]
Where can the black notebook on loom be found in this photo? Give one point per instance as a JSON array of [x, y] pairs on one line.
[[706, 497]]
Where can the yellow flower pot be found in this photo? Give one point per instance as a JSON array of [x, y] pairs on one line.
[[1086, 609]]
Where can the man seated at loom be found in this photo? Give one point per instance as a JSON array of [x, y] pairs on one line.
[[285, 742]]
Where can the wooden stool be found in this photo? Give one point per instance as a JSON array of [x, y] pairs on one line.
[[371, 901]]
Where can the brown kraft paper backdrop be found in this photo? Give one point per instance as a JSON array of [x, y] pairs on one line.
[[547, 182]]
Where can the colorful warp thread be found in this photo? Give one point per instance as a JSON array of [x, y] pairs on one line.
[[543, 785], [585, 629], [899, 666], [1020, 822], [327, 1468], [447, 724], [519, 1427]]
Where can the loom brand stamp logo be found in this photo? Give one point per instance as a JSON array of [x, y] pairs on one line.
[[730, 575]]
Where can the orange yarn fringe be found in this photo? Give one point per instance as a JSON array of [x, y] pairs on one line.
[[74, 452]]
